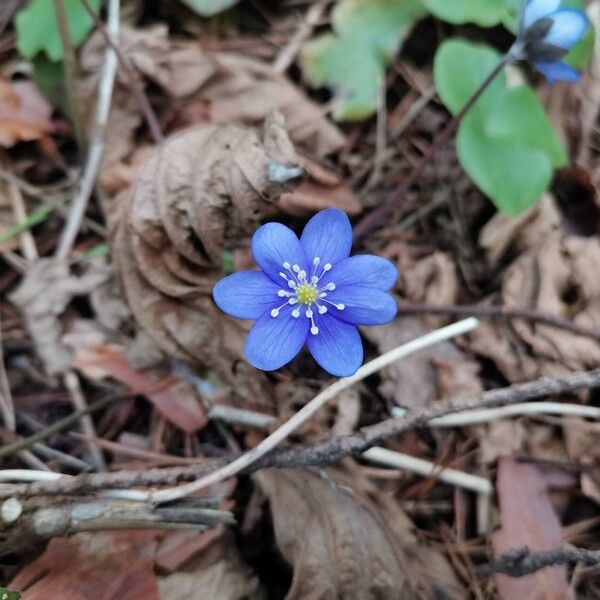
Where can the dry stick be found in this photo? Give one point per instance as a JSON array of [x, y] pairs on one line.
[[280, 434], [70, 66], [129, 69], [288, 54], [94, 156], [87, 425], [378, 214], [523, 561], [499, 312], [322, 453]]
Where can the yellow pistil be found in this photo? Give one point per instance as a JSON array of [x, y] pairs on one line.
[[306, 293]]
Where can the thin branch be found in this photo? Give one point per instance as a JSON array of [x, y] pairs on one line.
[[137, 87], [321, 453], [307, 411], [374, 218], [71, 76], [523, 561], [483, 311], [94, 156]]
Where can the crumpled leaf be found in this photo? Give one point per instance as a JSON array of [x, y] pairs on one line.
[[528, 519], [45, 292], [352, 60], [550, 275], [24, 114], [582, 440], [199, 194], [98, 565], [340, 546], [221, 87]]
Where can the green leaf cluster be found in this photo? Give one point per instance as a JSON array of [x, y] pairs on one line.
[[37, 28], [367, 35], [505, 143]]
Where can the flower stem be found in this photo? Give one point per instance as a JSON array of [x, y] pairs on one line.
[[378, 214]]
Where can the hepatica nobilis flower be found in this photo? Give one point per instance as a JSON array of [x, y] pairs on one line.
[[547, 35], [309, 291]]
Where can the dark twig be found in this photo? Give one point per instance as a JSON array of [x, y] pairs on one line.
[[378, 214], [499, 312], [321, 453], [129, 69], [54, 428], [523, 561]]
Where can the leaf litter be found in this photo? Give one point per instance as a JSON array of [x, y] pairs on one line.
[[182, 214]]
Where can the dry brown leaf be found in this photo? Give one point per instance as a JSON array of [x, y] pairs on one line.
[[338, 543], [175, 401], [582, 440], [45, 292], [413, 381], [25, 115], [222, 577], [310, 197], [201, 193], [103, 566], [528, 519]]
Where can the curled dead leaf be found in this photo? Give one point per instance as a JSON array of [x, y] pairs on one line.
[[339, 544], [199, 194]]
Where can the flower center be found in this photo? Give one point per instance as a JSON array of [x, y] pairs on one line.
[[306, 293]]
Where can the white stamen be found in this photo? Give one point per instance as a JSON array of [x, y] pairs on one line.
[[282, 293], [314, 279], [286, 265], [330, 287], [316, 261], [314, 330], [322, 310], [292, 284], [275, 312], [296, 313], [323, 295], [327, 267], [302, 276], [296, 268], [309, 313], [293, 301], [340, 306]]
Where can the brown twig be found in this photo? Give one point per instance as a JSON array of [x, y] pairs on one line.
[[321, 453], [523, 561], [129, 69], [499, 312], [70, 66], [378, 214]]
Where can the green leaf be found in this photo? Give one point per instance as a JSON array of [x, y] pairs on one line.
[[37, 29], [581, 55], [485, 13], [208, 8], [505, 143], [352, 61], [95, 252], [8, 595]]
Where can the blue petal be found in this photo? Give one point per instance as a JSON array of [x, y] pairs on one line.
[[362, 305], [274, 244], [274, 341], [246, 295], [364, 270], [328, 235], [568, 28], [557, 71], [538, 9], [337, 347]]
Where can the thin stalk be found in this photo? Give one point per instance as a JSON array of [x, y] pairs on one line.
[[378, 214], [70, 66]]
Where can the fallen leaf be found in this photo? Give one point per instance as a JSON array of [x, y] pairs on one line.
[[98, 565], [177, 402], [527, 519], [44, 294], [337, 542], [25, 115], [310, 197]]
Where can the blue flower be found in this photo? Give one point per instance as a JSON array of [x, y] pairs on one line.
[[548, 35], [309, 291]]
